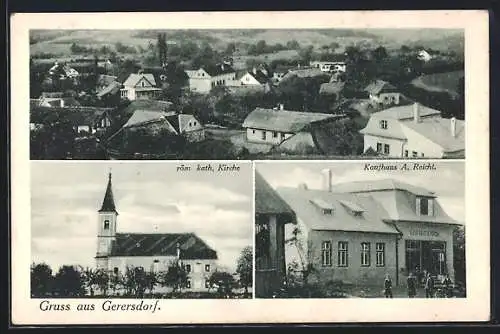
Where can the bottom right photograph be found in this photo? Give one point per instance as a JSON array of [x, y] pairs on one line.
[[355, 229]]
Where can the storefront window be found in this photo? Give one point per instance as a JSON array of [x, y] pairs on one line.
[[422, 255]]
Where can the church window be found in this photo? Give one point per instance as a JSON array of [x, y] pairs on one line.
[[188, 268], [106, 224], [207, 284], [115, 270], [207, 267], [188, 284]]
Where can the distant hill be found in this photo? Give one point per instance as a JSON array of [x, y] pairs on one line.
[[57, 41]]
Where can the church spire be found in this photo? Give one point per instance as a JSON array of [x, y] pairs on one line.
[[108, 204]]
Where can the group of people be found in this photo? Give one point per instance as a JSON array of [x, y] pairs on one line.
[[412, 283]]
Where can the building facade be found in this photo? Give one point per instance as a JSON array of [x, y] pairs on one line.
[[154, 252], [208, 77], [358, 232], [383, 93], [140, 86], [414, 131], [273, 126]]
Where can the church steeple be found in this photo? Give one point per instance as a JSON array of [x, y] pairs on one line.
[[108, 204]]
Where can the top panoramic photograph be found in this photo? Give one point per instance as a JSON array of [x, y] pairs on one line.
[[247, 94]]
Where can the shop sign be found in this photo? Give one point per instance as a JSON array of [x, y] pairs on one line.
[[424, 233]]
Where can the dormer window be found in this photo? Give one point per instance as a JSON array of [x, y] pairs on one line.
[[425, 206], [353, 208], [383, 124], [326, 208]]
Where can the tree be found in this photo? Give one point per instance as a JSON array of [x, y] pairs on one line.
[[379, 54], [89, 277], [41, 280], [230, 48], [102, 281], [459, 254], [69, 282], [224, 282], [151, 279], [175, 277], [244, 268], [293, 45], [134, 281]]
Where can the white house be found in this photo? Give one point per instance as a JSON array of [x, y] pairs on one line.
[[154, 252], [177, 124], [140, 86], [360, 231], [424, 56], [208, 77], [273, 126], [414, 131], [255, 77], [382, 92], [330, 66]]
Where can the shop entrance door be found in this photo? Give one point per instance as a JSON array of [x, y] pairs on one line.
[[427, 256]]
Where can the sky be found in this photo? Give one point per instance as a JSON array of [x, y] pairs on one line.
[[150, 197], [447, 181]]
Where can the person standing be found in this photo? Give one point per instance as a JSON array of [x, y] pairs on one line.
[[412, 285], [388, 286], [448, 286], [429, 286]]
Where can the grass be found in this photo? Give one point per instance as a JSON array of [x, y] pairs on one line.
[[439, 82]]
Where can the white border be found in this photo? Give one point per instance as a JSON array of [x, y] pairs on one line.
[[476, 307]]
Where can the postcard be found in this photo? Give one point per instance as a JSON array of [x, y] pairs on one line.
[[249, 167]]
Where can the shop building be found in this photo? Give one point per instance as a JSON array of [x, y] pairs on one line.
[[358, 232]]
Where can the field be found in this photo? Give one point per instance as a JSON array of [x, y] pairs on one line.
[[59, 42], [440, 82]]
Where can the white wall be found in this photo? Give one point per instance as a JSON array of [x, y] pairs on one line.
[[197, 276], [248, 79], [420, 144], [130, 93], [395, 145], [255, 135]]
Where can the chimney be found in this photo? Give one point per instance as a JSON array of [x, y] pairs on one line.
[[222, 66], [62, 103], [178, 247], [303, 186], [327, 179], [453, 127], [254, 70], [416, 112]]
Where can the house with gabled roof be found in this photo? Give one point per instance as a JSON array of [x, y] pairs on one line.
[[383, 92], [360, 231], [153, 252], [274, 126], [140, 86], [207, 77], [255, 77], [414, 131], [155, 120]]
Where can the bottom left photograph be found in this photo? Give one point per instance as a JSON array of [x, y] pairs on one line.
[[141, 230]]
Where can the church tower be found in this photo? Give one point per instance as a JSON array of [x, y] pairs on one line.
[[106, 229]]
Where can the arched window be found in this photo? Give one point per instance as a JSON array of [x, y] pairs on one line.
[[106, 224]]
